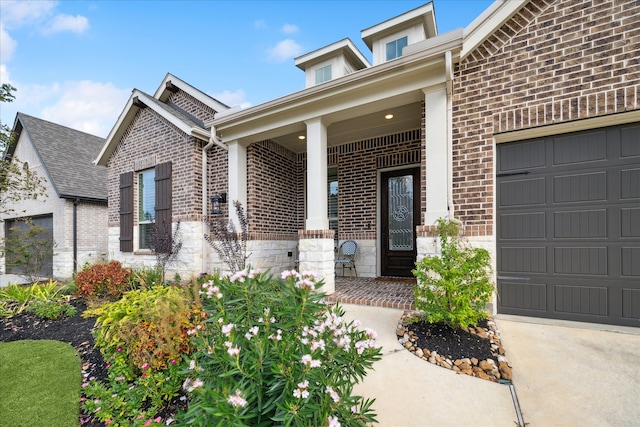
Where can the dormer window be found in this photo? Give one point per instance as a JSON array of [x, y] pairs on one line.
[[394, 48], [323, 74]]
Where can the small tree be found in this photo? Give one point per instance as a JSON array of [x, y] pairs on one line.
[[225, 239], [17, 182], [28, 248], [455, 286], [166, 244]]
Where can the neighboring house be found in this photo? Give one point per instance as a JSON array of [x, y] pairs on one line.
[[525, 125], [74, 211]]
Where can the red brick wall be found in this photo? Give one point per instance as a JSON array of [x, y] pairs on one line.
[[554, 61], [276, 179], [151, 140]]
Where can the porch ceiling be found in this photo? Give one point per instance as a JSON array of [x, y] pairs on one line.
[[405, 117]]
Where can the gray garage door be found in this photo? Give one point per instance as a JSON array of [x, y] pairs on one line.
[[568, 226], [46, 265]]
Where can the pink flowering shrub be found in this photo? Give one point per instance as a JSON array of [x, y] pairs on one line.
[[271, 353]]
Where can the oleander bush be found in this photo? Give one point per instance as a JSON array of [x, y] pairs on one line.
[[455, 286], [269, 352]]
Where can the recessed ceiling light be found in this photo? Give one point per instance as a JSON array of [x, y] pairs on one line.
[[301, 137], [389, 116]]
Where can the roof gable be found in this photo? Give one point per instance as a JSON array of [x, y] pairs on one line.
[[161, 104], [67, 156]]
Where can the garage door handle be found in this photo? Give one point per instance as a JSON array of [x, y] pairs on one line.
[[512, 278], [512, 173]]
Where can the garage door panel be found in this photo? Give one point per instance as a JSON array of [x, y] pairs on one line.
[[580, 224], [631, 303], [523, 226], [580, 148], [630, 184], [630, 222], [581, 260], [630, 141], [587, 262], [587, 187], [630, 257], [523, 260], [587, 300], [523, 192], [528, 296], [523, 156]]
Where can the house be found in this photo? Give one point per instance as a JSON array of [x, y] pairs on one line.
[[74, 210], [525, 125], [161, 160]]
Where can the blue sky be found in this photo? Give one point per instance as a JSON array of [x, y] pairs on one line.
[[76, 62]]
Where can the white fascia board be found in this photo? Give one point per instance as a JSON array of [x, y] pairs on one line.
[[344, 46], [126, 117], [370, 89], [400, 21], [118, 129], [162, 93], [488, 22]]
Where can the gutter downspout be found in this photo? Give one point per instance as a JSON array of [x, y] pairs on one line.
[[75, 236], [213, 140], [448, 63]]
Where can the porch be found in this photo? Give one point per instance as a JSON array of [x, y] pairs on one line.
[[390, 292]]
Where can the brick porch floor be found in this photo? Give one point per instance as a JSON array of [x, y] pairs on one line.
[[378, 292]]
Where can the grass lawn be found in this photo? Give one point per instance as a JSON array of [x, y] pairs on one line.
[[39, 384]]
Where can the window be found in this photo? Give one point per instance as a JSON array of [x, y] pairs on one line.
[[332, 188], [323, 74], [394, 48], [146, 206]]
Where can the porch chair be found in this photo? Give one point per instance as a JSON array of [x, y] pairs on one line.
[[347, 256]]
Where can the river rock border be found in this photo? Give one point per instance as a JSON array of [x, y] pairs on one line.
[[500, 371]]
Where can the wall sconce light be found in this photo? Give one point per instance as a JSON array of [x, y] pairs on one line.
[[216, 200]]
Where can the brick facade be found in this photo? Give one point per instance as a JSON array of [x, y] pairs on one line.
[[555, 61], [151, 140]]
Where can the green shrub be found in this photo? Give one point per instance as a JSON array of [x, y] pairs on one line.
[[143, 337], [147, 278], [271, 353], [18, 298], [148, 327], [51, 309], [100, 281], [455, 286]]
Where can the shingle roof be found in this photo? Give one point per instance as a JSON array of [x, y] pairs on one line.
[[68, 156]]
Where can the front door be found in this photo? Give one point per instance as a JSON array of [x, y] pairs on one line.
[[400, 214]]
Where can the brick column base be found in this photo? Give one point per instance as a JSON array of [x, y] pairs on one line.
[[316, 254]]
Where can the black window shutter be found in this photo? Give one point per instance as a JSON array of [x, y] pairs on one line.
[[126, 212], [163, 208]]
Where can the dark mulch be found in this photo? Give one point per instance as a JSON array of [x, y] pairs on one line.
[[451, 343]]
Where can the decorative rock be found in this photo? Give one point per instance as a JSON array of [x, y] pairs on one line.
[[419, 352], [400, 332], [458, 362], [481, 333], [464, 366], [432, 359], [466, 360], [457, 370], [408, 345], [482, 375], [501, 350], [426, 352], [444, 364], [505, 371], [474, 361]]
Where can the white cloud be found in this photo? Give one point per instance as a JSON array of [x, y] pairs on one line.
[[284, 50], [289, 28], [7, 45], [16, 13], [232, 98], [62, 22], [88, 106]]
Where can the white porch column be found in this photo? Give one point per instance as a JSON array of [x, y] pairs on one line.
[[317, 214], [237, 179], [437, 154]]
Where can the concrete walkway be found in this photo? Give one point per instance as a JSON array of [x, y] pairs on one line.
[[412, 392], [6, 279], [565, 374]]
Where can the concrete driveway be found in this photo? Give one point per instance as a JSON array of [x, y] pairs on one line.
[[572, 373], [6, 279]]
